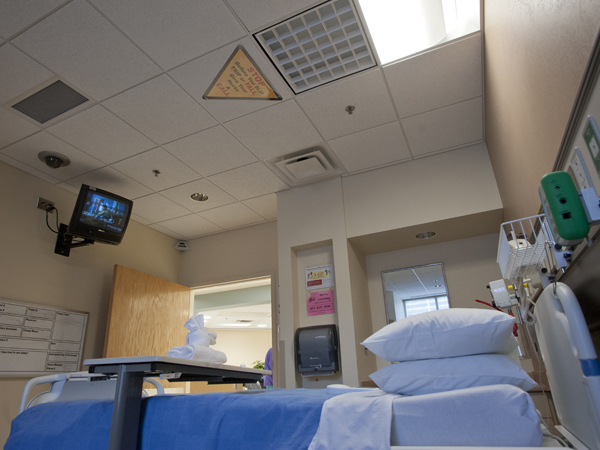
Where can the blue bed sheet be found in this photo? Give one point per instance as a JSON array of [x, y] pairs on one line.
[[269, 419]]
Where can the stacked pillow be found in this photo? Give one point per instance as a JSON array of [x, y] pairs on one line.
[[446, 350]]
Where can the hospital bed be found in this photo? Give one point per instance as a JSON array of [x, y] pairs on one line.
[[489, 416]]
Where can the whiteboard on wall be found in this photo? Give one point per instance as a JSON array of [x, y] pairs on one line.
[[38, 340]]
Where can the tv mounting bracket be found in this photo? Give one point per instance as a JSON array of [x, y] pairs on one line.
[[64, 241]]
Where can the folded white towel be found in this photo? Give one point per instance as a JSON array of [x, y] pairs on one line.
[[197, 352]]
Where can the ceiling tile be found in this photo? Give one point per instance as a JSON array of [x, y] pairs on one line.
[[181, 195], [232, 216], [371, 148], [140, 219], [28, 169], [326, 106], [13, 128], [445, 128], [156, 208], [166, 231], [419, 84], [197, 76], [113, 181], [18, 73], [15, 16], [249, 181], [190, 226], [258, 14], [81, 46], [172, 33], [172, 171], [27, 151], [265, 205], [101, 134], [211, 151], [68, 187], [161, 110], [275, 131]]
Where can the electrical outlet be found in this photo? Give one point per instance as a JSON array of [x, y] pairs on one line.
[[580, 171], [45, 205]]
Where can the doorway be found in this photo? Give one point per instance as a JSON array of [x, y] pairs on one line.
[[240, 314]]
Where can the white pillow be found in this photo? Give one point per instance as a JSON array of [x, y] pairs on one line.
[[448, 374], [443, 334]]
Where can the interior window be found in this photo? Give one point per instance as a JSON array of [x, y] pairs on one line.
[[414, 290]]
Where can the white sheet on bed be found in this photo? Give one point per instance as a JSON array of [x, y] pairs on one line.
[[499, 415], [345, 416]]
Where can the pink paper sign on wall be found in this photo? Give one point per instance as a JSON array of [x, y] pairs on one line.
[[320, 302]]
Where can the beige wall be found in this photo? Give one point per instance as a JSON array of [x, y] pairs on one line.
[[326, 214], [232, 256], [243, 345], [31, 272], [535, 56], [236, 255], [453, 184], [469, 265]]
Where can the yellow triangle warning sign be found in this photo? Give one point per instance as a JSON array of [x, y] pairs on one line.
[[240, 78]]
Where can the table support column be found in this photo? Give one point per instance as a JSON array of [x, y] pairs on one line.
[[125, 422]]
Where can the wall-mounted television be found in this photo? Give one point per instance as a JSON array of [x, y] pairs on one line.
[[100, 215]]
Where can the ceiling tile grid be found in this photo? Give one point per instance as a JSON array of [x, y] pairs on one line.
[[156, 208], [18, 73], [15, 16], [161, 110], [145, 67], [173, 34], [79, 44], [100, 133], [385, 144], [232, 216], [182, 195], [26, 151], [156, 169], [417, 85], [211, 151], [446, 128], [275, 131], [13, 128], [191, 226], [366, 92]]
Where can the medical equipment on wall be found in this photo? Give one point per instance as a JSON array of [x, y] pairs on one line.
[[563, 208]]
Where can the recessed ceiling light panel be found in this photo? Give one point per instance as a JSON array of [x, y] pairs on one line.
[[318, 46]]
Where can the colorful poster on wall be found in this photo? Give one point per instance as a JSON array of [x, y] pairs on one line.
[[320, 302], [319, 277]]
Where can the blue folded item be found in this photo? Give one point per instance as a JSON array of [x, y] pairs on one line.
[[273, 419]]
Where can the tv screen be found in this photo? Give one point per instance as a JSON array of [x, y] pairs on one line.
[[100, 215]]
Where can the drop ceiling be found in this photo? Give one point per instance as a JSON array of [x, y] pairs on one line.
[[145, 68]]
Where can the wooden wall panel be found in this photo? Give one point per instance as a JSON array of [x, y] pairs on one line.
[[146, 314]]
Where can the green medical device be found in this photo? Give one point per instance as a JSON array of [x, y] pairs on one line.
[[563, 208]]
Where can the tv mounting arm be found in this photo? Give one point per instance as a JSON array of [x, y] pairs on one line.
[[64, 241]]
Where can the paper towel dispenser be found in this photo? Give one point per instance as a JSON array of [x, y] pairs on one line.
[[317, 350]]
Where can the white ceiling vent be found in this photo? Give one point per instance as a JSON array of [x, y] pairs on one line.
[[318, 46], [306, 166]]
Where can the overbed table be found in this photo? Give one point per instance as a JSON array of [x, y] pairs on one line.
[[131, 372]]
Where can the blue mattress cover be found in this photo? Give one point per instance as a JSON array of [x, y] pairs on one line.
[[267, 419]]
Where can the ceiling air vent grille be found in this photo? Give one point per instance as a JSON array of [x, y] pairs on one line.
[[50, 102], [318, 46]]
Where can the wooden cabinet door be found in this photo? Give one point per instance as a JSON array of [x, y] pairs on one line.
[[146, 314]]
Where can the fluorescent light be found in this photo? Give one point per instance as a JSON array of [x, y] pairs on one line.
[[232, 325], [403, 27], [262, 325]]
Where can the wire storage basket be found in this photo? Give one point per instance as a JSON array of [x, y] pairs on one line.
[[523, 246]]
